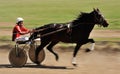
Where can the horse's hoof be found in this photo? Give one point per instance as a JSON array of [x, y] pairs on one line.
[[74, 64], [57, 58], [87, 50]]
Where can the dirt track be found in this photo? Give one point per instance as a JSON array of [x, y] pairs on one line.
[[105, 60]]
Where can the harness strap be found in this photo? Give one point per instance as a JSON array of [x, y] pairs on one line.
[[69, 25], [69, 28]]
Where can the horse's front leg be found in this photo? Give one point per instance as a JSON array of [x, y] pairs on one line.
[[75, 53], [92, 45]]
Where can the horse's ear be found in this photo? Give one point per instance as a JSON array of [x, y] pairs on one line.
[[98, 9]]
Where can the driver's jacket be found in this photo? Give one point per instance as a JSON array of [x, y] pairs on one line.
[[17, 30]]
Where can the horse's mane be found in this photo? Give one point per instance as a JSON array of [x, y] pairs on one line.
[[82, 14], [81, 17]]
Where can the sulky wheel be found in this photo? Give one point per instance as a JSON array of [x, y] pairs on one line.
[[31, 53], [17, 57]]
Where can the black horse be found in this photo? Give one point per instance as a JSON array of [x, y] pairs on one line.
[[76, 31]]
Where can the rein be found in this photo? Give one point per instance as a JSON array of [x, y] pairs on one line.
[[69, 30], [69, 27], [53, 32]]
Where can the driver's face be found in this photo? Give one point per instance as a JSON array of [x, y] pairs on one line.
[[21, 23]]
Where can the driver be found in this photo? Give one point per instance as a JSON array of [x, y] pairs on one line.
[[19, 30]]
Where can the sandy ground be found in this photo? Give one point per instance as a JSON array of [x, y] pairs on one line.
[[101, 61]]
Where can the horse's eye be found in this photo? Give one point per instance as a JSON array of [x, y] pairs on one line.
[[99, 16]]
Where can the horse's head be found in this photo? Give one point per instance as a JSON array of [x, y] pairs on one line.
[[99, 18]]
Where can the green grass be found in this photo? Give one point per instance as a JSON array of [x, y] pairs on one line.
[[5, 38], [40, 12]]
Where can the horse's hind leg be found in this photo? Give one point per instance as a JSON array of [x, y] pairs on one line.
[[50, 46], [75, 53]]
